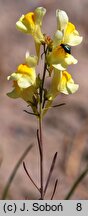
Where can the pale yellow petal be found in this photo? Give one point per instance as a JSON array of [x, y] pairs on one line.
[[14, 76], [69, 59], [67, 85], [39, 14], [71, 36], [37, 47], [57, 38], [31, 61], [73, 40], [61, 66], [24, 81], [62, 19], [38, 35], [20, 26], [70, 28], [72, 88]]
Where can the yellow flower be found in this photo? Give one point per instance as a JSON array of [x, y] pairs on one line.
[[29, 95], [25, 76], [66, 33], [31, 23], [21, 90], [25, 93], [62, 82], [25, 83], [60, 59]]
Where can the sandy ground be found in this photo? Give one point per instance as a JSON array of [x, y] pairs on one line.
[[66, 131]]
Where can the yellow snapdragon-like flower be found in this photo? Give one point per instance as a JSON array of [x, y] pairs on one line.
[[60, 59], [24, 86], [25, 76], [66, 33], [24, 79], [31, 23], [65, 37], [62, 82], [25, 93]]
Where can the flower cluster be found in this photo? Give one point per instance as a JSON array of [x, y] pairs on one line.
[[27, 84]]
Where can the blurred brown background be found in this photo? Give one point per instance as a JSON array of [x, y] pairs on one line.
[[66, 131]]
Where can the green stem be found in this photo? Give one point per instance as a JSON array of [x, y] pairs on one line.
[[43, 78], [10, 180], [76, 183], [41, 153], [40, 130], [50, 172], [44, 73]]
